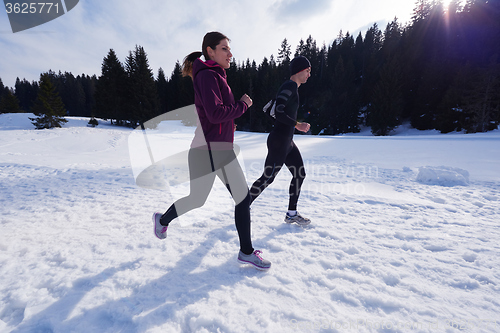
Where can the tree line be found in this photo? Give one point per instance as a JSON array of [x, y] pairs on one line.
[[439, 71]]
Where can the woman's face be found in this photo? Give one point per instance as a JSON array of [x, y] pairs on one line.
[[222, 54]]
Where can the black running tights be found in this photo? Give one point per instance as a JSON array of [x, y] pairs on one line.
[[277, 156], [204, 166]]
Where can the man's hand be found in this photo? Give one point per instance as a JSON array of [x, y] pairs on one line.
[[303, 127]]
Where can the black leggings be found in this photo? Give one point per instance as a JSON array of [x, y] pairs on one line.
[[281, 151], [204, 165]]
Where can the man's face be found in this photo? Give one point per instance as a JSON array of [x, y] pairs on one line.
[[304, 75]]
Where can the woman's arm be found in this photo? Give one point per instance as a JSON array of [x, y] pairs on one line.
[[210, 92]]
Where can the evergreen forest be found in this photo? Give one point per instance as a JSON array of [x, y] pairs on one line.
[[439, 71]]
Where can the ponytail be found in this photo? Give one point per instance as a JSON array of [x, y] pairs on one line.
[[187, 65]]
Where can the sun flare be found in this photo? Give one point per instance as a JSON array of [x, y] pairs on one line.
[[446, 3]]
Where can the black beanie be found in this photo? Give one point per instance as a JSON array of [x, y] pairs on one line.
[[298, 64]]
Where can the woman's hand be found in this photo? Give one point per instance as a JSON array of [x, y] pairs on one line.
[[303, 127], [248, 101]]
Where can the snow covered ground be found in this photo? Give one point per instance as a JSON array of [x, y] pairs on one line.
[[404, 237]]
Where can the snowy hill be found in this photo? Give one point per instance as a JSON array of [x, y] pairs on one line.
[[404, 237]]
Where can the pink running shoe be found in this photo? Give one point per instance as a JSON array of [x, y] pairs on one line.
[[254, 259], [160, 230]]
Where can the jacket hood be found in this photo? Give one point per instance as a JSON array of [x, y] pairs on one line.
[[200, 65]]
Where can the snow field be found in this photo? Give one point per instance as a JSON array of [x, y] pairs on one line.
[[385, 252]]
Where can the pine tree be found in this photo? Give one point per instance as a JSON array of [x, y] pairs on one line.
[[450, 112], [48, 107], [483, 101], [387, 100], [88, 84], [421, 11], [284, 52], [161, 88], [26, 93], [392, 38], [358, 55], [9, 103], [143, 98], [344, 103], [263, 94], [371, 62], [72, 94], [110, 88], [300, 48], [180, 91], [2, 88]]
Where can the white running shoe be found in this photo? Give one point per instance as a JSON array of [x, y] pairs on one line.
[[254, 259], [297, 218], [160, 230]]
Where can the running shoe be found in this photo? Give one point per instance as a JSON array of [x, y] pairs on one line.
[[254, 259], [297, 218], [160, 230]]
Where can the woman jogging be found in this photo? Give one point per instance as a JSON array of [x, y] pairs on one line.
[[280, 145], [211, 152]]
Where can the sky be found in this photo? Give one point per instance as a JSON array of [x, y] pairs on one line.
[[78, 41]]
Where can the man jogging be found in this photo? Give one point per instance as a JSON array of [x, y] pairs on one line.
[[280, 145]]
